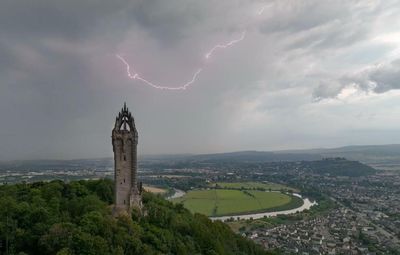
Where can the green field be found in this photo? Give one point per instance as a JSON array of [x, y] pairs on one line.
[[220, 202], [252, 185]]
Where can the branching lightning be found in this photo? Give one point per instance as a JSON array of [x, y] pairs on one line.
[[132, 74], [224, 46], [136, 76]]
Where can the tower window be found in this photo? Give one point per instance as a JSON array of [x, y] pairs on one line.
[[124, 180], [124, 158], [124, 201]]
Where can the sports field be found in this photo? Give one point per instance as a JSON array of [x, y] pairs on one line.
[[220, 202], [252, 185]]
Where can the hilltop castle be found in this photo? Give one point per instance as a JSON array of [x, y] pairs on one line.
[[124, 140]]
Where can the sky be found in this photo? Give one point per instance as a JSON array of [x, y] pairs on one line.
[[308, 73]]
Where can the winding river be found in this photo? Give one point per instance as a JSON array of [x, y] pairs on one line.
[[307, 204]]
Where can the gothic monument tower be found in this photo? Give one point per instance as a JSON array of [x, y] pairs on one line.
[[125, 140]]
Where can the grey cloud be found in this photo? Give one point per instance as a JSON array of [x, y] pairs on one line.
[[323, 25], [335, 34], [327, 89], [385, 77], [167, 21], [67, 19], [297, 16], [379, 79]]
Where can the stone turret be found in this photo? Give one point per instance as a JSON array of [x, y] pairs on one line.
[[125, 139]]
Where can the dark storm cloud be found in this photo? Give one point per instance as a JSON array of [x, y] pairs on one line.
[[167, 21], [61, 84], [43, 86], [67, 19]]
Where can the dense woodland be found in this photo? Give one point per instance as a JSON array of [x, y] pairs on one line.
[[75, 218]]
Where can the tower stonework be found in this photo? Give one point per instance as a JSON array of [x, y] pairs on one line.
[[125, 140]]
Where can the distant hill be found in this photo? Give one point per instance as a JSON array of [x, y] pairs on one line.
[[255, 156], [75, 164], [385, 156], [241, 156], [75, 218], [379, 156], [337, 167]]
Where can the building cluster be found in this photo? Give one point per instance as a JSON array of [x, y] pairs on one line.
[[342, 231], [374, 199]]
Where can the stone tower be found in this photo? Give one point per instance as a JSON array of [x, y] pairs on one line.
[[125, 140]]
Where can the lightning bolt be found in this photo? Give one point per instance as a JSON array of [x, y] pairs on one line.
[[135, 76], [224, 46]]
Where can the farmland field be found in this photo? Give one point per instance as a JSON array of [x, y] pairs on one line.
[[154, 190], [252, 185], [220, 202]]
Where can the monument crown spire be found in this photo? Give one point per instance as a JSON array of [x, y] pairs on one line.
[[125, 120]]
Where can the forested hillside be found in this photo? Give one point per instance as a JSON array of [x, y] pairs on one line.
[[338, 167], [75, 218]]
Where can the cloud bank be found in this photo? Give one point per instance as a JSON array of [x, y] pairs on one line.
[[308, 74]]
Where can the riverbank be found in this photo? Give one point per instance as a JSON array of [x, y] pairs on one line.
[[307, 204]]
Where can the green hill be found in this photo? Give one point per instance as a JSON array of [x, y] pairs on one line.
[[338, 167], [75, 218]]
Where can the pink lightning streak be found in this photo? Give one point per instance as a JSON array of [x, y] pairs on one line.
[[135, 76], [224, 46]]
